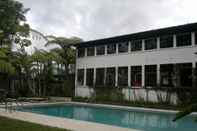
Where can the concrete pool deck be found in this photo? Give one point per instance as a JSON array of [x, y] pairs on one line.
[[70, 124]]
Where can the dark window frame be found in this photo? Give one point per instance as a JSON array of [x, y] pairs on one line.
[[150, 46], [91, 51], [81, 52], [110, 76], [100, 81], [110, 49], [150, 75], [80, 76], [166, 41], [136, 45], [136, 73], [167, 75], [123, 78], [100, 50], [179, 41], [121, 47], [90, 79]]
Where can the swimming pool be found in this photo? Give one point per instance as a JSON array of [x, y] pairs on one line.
[[147, 121]]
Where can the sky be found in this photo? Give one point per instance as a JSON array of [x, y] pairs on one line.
[[96, 19]]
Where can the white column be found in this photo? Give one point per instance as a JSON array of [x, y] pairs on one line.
[[158, 74], [174, 41], [105, 49], [129, 46], [94, 77], [85, 52], [116, 78], [105, 73], [158, 43], [116, 48], [193, 38], [95, 51], [143, 75], [129, 76], [143, 45], [84, 82]]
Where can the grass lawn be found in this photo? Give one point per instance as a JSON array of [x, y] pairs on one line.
[[16, 125]]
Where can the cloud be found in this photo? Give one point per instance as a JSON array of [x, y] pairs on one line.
[[94, 19]]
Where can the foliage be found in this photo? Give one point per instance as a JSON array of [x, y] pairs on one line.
[[7, 124]]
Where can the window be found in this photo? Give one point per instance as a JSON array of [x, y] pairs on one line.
[[123, 47], [136, 45], [136, 75], [89, 77], [123, 76], [150, 44], [150, 75], [167, 75], [184, 75], [80, 76], [100, 50], [110, 76], [111, 49], [90, 51], [81, 52], [100, 73], [166, 41], [183, 39]]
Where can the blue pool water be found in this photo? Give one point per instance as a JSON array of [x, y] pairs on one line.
[[130, 119]]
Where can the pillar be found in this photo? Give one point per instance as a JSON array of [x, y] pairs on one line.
[[174, 41], [158, 74], [116, 78], [143, 76]]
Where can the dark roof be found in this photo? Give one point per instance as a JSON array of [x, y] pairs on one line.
[[141, 35]]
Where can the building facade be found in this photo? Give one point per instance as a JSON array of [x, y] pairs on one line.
[[137, 63]]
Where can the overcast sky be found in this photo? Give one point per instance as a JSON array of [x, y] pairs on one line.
[[94, 19]]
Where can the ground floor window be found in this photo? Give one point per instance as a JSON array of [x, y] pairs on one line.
[[80, 76], [100, 73], [89, 77], [136, 75], [123, 76], [110, 76], [167, 75], [184, 74], [151, 75]]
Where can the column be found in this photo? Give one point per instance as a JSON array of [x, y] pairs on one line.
[[193, 38], [105, 49], [84, 81], [194, 75], [158, 43], [143, 75], [94, 78], [105, 73], [129, 76], [116, 48], [116, 78], [143, 45], [95, 51], [85, 52], [174, 41], [158, 74], [129, 46]]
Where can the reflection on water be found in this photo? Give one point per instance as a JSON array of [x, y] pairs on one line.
[[130, 119]]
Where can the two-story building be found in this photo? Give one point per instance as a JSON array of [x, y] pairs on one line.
[[162, 58]]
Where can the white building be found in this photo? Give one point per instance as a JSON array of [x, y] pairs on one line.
[[138, 63]]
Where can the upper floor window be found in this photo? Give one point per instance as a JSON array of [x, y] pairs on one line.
[[166, 41], [81, 52], [150, 44], [90, 51], [136, 45], [111, 49], [100, 50], [183, 39], [123, 47]]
